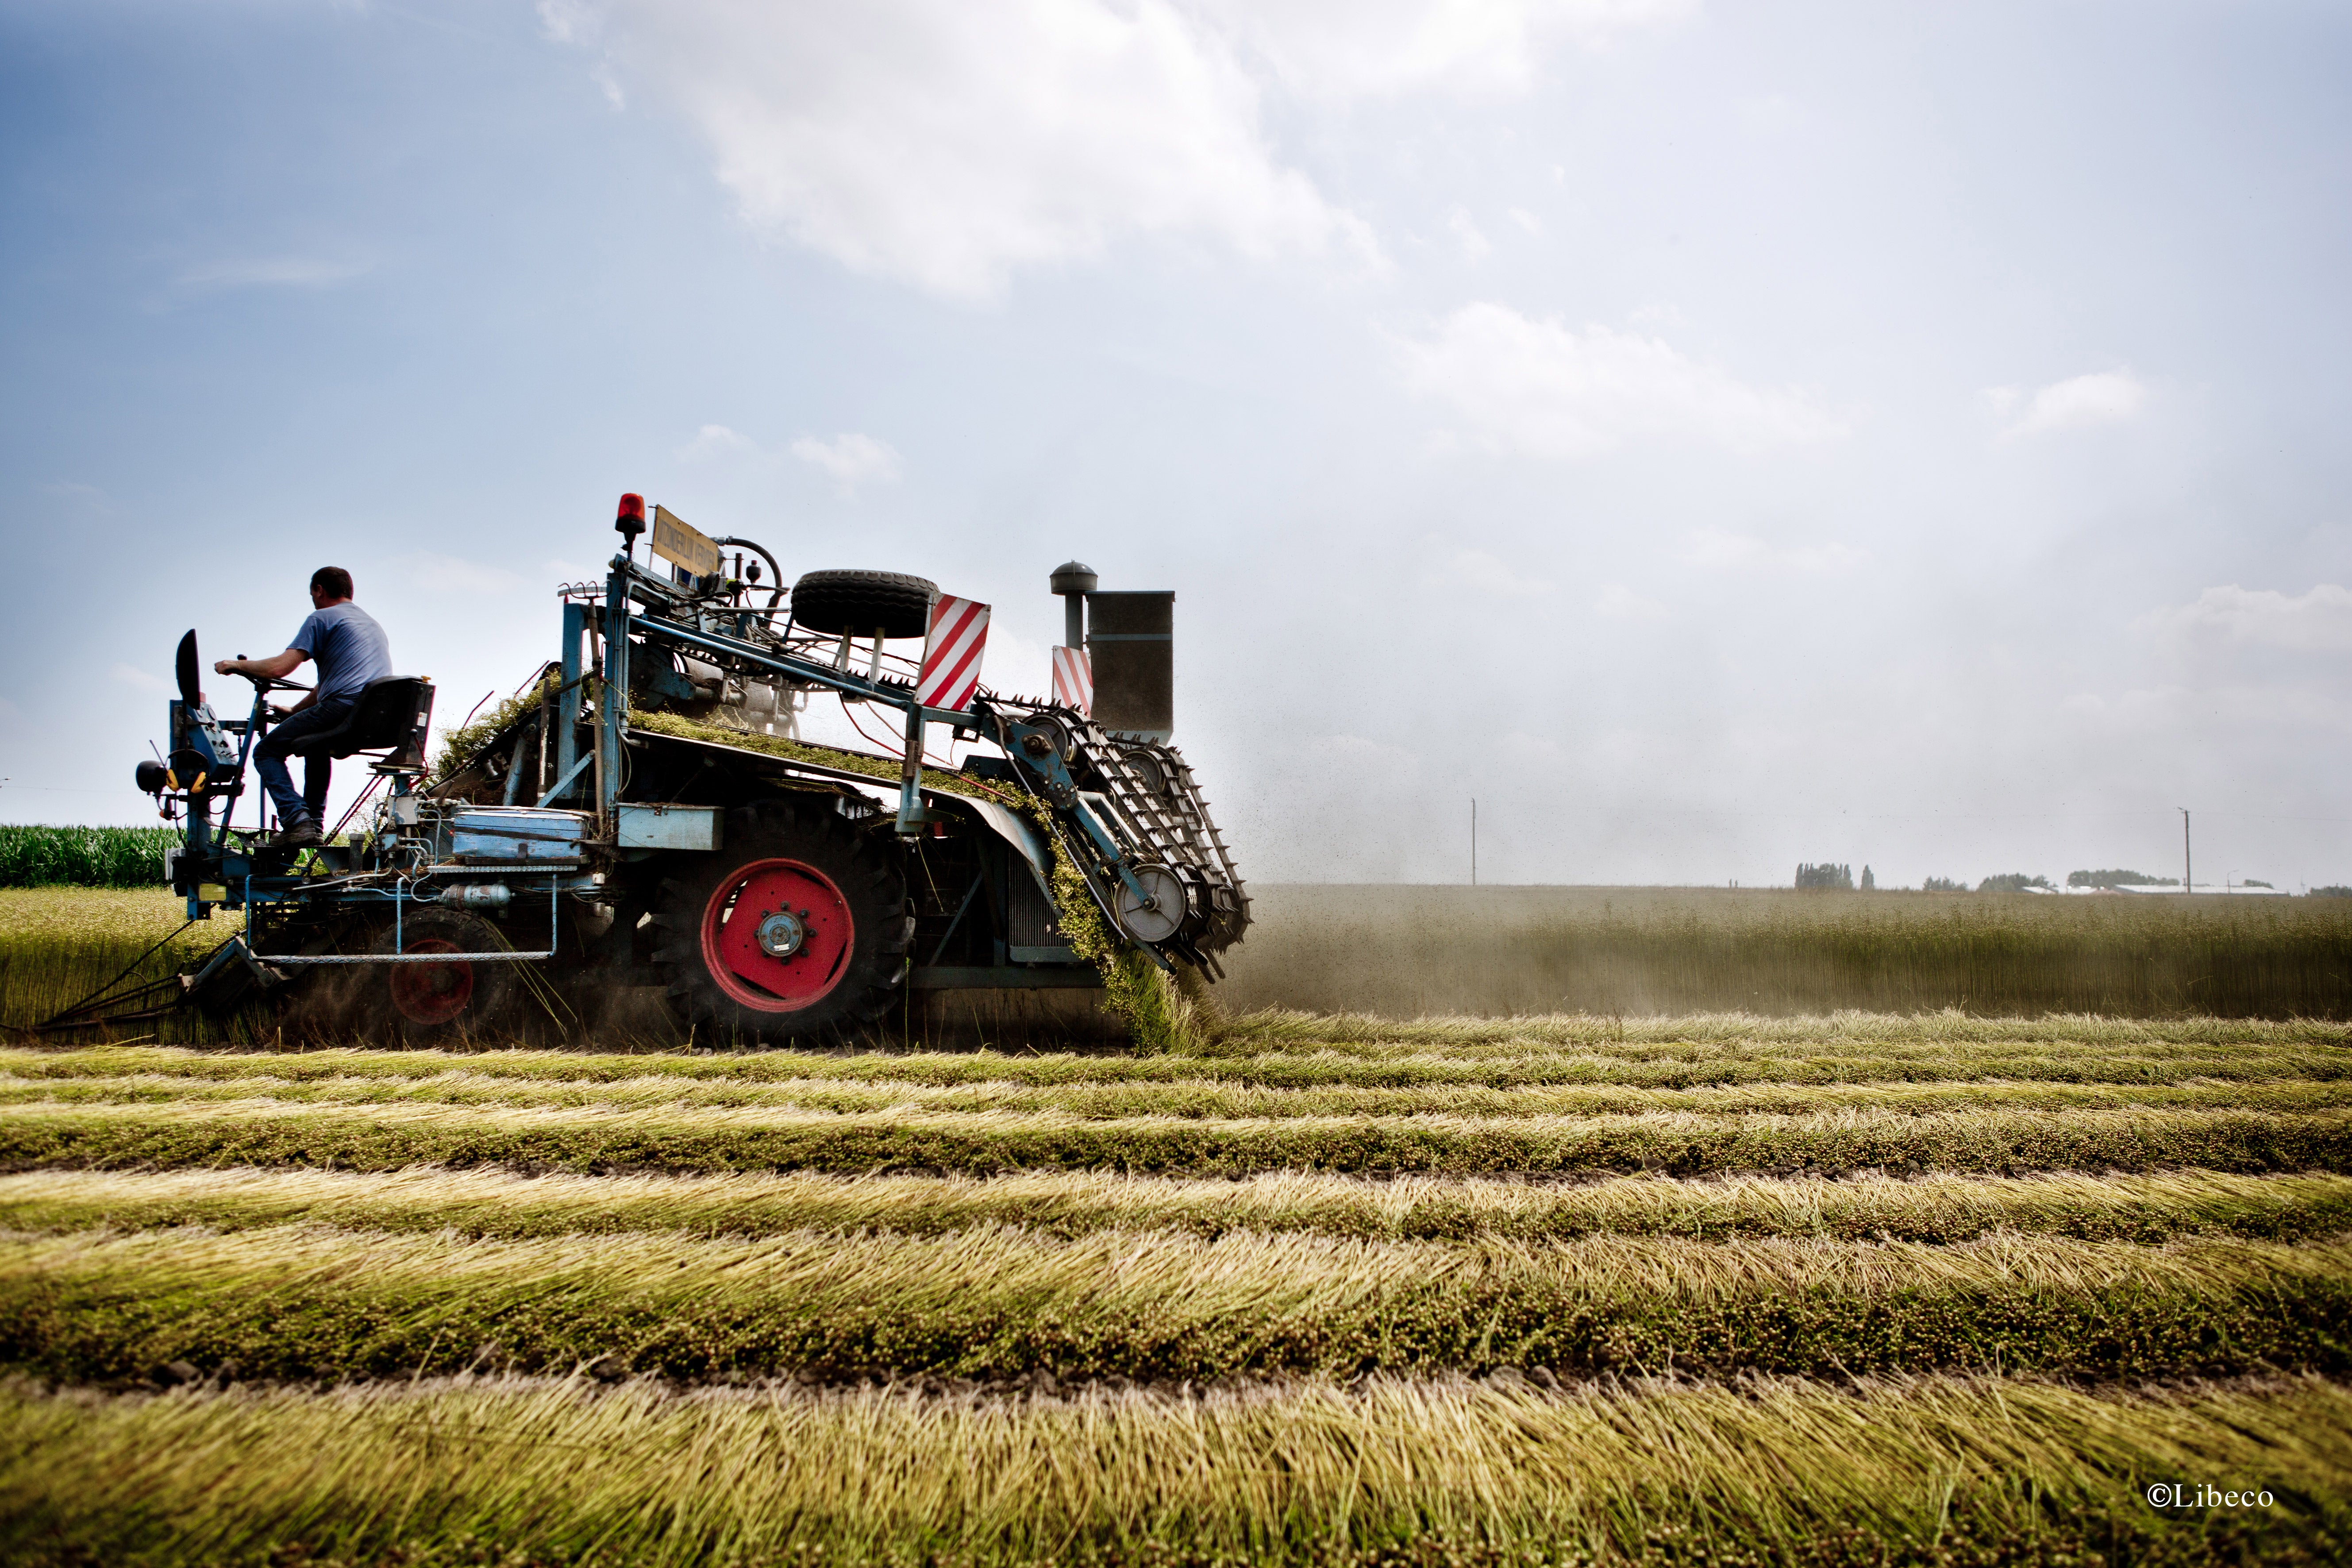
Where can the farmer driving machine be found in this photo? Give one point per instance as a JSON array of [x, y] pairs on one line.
[[646, 812]]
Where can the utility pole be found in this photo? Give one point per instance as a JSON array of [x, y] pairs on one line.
[[1474, 840], [2188, 873]]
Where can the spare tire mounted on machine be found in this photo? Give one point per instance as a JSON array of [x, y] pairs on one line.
[[857, 604]]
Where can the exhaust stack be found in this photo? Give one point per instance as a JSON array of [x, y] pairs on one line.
[[1131, 643], [1131, 647], [1073, 581]]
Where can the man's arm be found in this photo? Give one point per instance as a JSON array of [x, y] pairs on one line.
[[277, 667]]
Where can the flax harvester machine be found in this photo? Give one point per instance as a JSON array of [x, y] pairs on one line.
[[644, 812]]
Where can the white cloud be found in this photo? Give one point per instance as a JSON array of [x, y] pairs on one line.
[[1619, 602], [850, 459], [2318, 621], [1550, 390], [1719, 550], [1475, 245], [1525, 219], [455, 575], [571, 21], [271, 272], [949, 146], [1487, 573], [143, 679], [715, 441], [2104, 397], [1333, 52]]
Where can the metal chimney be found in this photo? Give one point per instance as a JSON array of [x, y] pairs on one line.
[[1074, 581]]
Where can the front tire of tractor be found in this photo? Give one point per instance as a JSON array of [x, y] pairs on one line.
[[428, 1005], [796, 930]]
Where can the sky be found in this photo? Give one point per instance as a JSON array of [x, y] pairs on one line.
[[1711, 436]]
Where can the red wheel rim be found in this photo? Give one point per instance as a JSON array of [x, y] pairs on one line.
[[432, 993], [795, 904]]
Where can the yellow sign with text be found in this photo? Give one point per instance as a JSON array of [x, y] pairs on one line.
[[673, 541]]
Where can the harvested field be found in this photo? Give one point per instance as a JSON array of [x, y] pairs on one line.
[[993, 1303], [1447, 1470], [496, 1202], [1720, 1289], [593, 1140]]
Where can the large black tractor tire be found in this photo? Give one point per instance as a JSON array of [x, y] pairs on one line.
[[859, 602], [796, 930], [458, 1002]]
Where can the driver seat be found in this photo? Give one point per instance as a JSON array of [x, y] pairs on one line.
[[391, 716]]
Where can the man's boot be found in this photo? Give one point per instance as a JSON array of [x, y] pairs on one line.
[[302, 833]]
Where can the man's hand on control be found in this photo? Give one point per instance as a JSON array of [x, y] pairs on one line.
[[228, 666]]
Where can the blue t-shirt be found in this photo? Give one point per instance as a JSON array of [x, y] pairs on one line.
[[351, 649]]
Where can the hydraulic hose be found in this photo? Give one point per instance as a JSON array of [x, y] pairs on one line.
[[776, 594]]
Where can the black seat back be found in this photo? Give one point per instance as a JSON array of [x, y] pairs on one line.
[[391, 715]]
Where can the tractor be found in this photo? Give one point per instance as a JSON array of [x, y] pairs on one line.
[[645, 812]]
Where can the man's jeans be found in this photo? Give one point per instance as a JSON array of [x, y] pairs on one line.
[[286, 739]]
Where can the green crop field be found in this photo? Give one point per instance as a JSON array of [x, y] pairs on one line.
[[1721, 1290], [84, 857]]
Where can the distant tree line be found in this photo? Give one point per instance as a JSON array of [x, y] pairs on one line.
[[1943, 885], [2011, 882], [1826, 877], [2119, 879]]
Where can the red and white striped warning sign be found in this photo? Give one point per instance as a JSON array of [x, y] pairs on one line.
[[951, 654], [1073, 679]]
